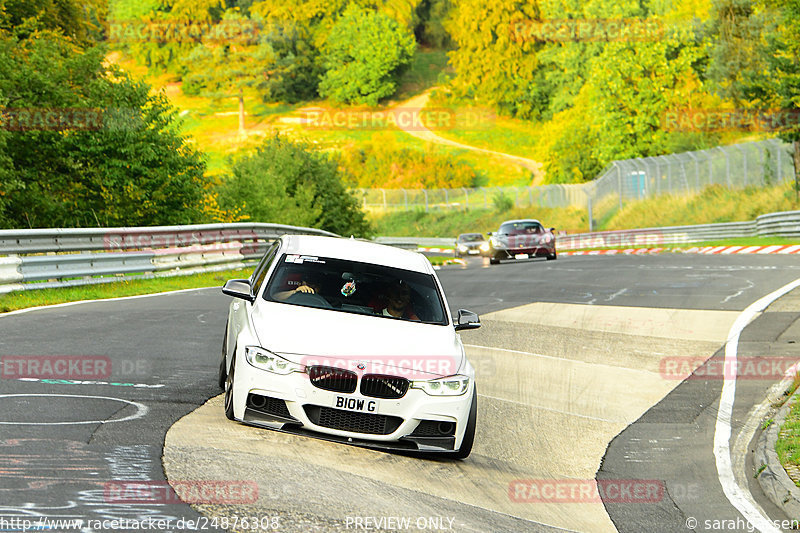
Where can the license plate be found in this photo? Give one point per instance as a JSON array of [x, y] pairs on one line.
[[360, 405], [521, 256], [473, 252]]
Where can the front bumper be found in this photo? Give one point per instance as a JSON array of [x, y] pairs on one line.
[[291, 403], [502, 252]]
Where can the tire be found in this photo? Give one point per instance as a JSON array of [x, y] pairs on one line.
[[552, 257], [469, 434], [223, 371], [229, 389], [494, 261]]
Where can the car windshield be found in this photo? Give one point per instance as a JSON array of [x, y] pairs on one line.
[[354, 287], [519, 228], [470, 237]]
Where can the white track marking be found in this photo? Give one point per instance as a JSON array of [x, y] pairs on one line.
[[739, 497], [134, 297], [141, 410]]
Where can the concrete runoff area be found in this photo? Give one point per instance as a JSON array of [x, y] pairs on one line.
[[556, 383]]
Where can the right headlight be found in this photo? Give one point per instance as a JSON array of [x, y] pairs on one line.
[[266, 360], [449, 386]]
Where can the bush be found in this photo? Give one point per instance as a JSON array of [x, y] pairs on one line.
[[381, 164], [502, 202], [286, 182]]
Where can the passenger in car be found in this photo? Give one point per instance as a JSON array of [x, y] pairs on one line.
[[397, 300]]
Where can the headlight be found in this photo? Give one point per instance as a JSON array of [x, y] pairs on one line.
[[485, 247], [449, 386], [546, 239], [266, 360], [462, 248]]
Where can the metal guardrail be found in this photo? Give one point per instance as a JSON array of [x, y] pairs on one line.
[[783, 224], [45, 258]]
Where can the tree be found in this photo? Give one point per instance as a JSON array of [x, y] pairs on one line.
[[362, 57], [784, 58], [88, 145], [287, 182]]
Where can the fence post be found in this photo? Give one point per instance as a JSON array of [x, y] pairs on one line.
[[779, 170], [466, 198], [426, 199], [696, 172], [619, 183], [405, 198], [589, 209], [383, 191]]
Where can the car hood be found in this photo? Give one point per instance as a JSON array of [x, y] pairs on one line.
[[310, 336]]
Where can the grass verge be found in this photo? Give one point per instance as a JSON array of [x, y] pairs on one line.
[[788, 443], [33, 298], [712, 205]]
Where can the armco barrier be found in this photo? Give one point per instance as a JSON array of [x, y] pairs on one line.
[[44, 258], [784, 224]]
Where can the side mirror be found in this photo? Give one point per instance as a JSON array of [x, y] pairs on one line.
[[239, 288], [467, 320], [552, 230], [489, 233]]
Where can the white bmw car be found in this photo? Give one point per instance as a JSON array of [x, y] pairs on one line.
[[349, 341]]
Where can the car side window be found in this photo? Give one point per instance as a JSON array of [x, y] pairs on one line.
[[261, 270]]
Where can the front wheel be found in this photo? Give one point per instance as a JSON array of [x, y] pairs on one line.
[[469, 435], [229, 389], [494, 260], [552, 257], [223, 371]]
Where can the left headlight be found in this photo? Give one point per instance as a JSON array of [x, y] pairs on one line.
[[484, 247], [266, 360], [449, 386], [462, 248]]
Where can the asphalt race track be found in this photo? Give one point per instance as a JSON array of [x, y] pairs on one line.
[[580, 377]]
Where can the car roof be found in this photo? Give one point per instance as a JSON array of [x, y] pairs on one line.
[[520, 220], [356, 250]]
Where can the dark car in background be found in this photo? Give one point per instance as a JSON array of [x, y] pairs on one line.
[[471, 244], [521, 239]]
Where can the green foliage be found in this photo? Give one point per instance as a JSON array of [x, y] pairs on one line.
[[502, 202], [128, 164], [287, 182], [431, 30], [362, 57], [82, 22], [381, 163]]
